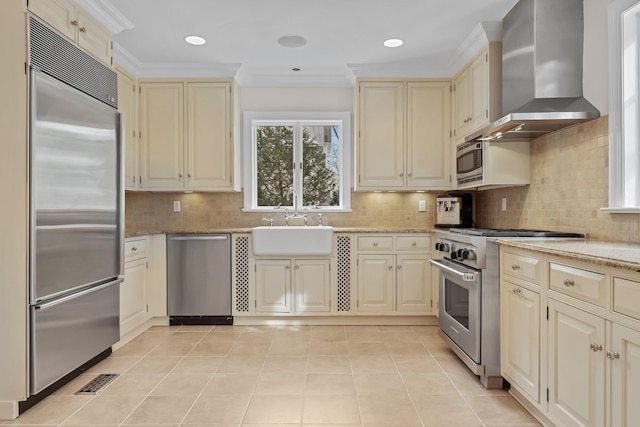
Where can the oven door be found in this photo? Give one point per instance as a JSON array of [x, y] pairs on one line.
[[459, 306]]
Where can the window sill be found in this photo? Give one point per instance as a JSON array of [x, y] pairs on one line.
[[301, 212], [634, 210]]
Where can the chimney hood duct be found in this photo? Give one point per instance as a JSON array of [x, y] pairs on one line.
[[542, 51]]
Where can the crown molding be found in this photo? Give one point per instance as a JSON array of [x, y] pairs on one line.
[[480, 36], [106, 14]]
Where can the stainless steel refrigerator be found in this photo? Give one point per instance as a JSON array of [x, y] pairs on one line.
[[76, 228]]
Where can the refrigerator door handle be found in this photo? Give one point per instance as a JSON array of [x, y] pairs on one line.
[[200, 238], [77, 294]]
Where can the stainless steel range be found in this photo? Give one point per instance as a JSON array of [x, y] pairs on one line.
[[469, 285]]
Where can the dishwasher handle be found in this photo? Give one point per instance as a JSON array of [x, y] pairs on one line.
[[200, 238]]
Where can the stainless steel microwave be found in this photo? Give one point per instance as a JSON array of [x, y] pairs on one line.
[[469, 162]]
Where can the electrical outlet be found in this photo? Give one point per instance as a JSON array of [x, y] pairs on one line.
[[504, 204], [176, 205], [422, 205]]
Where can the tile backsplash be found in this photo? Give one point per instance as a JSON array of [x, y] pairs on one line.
[[569, 185], [147, 211]]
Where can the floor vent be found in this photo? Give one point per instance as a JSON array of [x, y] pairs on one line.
[[95, 385]]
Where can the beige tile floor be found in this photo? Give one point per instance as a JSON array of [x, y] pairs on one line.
[[201, 376]]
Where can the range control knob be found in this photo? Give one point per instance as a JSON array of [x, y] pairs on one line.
[[465, 254], [460, 253], [471, 254], [444, 247], [454, 255], [438, 246]]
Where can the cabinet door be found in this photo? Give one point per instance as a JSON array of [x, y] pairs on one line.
[[428, 140], [576, 366], [479, 107], [127, 108], [461, 103], [520, 338], [625, 377], [162, 141], [209, 148], [413, 283], [133, 296], [60, 14], [381, 134], [273, 286], [312, 285], [376, 283], [94, 38]]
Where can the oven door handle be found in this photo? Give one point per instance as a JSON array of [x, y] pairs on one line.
[[466, 277]]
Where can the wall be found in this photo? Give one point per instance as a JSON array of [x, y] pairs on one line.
[[203, 211], [569, 185]]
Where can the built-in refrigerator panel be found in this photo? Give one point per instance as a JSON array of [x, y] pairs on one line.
[[75, 190]]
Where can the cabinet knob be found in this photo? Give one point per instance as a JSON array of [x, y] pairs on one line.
[[516, 290], [179, 175], [375, 243], [399, 267], [613, 355], [595, 347], [133, 249], [390, 267], [74, 23], [401, 174], [413, 243], [515, 267], [287, 267], [188, 175], [409, 174], [297, 266], [82, 29], [568, 282]]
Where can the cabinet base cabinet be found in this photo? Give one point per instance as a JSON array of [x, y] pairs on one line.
[[413, 287], [576, 366], [520, 335], [312, 285], [273, 286], [376, 283], [133, 296], [625, 376]]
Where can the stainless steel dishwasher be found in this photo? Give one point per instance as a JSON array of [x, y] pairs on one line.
[[199, 279]]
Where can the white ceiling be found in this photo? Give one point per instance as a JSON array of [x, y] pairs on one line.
[[344, 37]]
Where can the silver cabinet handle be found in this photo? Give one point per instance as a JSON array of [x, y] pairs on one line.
[[515, 267], [595, 347], [613, 355], [516, 290], [568, 282]]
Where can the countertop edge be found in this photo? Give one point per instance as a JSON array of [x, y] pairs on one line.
[[353, 230]]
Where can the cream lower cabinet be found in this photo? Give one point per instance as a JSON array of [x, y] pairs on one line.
[[293, 285], [403, 134], [134, 309], [398, 280], [576, 366], [625, 376], [520, 336], [187, 137]]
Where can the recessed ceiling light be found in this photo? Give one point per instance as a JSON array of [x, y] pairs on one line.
[[295, 69], [195, 40], [292, 40], [393, 43]]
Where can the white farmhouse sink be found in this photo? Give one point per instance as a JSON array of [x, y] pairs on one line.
[[292, 241]]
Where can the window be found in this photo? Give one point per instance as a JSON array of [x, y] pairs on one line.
[[297, 161], [624, 114]]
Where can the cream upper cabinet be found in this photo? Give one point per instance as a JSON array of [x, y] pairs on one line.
[[576, 366], [477, 92], [381, 134], [76, 25], [127, 107], [520, 337], [162, 136], [187, 136], [403, 134]]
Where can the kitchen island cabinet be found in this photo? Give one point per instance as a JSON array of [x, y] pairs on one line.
[[587, 342]]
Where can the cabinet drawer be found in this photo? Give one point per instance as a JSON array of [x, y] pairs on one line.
[[626, 297], [134, 249], [524, 267], [583, 284], [408, 243], [375, 243]]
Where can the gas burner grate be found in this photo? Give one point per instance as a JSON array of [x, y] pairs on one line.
[[95, 385]]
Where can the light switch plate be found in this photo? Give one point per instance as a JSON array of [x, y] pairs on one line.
[[422, 205], [504, 204], [176, 205]]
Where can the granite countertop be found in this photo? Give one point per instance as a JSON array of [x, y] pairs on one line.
[[611, 254], [248, 230]]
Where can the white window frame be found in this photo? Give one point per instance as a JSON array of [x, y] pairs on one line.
[[621, 131], [252, 118]]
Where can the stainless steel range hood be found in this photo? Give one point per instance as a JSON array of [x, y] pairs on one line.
[[541, 71]]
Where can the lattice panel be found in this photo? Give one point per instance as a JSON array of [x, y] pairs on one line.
[[242, 274], [344, 273]]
